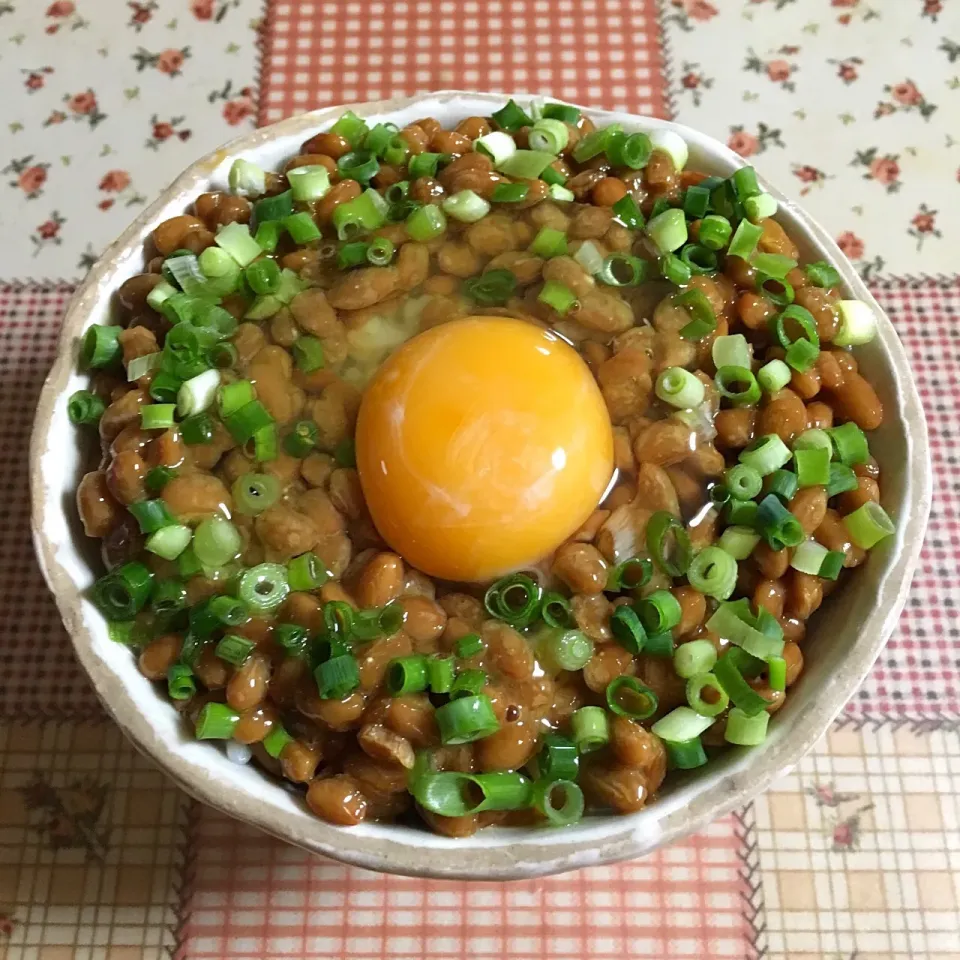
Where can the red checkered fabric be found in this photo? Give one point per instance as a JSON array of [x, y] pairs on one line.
[[38, 672], [250, 896], [918, 672], [341, 51]]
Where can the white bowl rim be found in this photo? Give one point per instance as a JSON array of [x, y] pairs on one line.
[[491, 854]]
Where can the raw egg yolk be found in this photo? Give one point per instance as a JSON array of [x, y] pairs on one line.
[[482, 444]]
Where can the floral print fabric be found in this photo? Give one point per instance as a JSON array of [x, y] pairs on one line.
[[849, 106], [104, 104]]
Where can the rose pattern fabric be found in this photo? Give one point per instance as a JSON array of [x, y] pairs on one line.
[[847, 105], [104, 103]]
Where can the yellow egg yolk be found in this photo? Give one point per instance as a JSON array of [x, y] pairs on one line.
[[482, 444]]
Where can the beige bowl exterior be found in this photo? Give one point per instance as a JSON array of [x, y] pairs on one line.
[[847, 635]]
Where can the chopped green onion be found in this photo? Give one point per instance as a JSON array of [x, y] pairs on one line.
[[628, 213], [694, 691], [557, 296], [699, 259], [423, 165], [168, 597], [152, 515], [498, 146], [745, 182], [628, 697], [747, 731], [659, 644], [255, 492], [263, 275], [440, 671], [566, 649], [774, 376], [302, 439], [197, 429], [264, 587], [729, 671], [713, 572], [842, 479], [308, 354], [766, 454], [668, 230], [629, 150], [198, 393], [559, 111], [822, 274], [627, 629], [216, 541], [744, 241], [778, 526], [758, 634], [760, 207], [782, 483], [742, 513], [140, 366], [163, 290], [850, 443], [235, 650], [562, 810], [380, 251], [453, 794], [245, 422], [556, 192], [696, 201], [164, 387], [525, 164], [311, 182], [236, 240], [659, 611], [809, 557], [685, 755], [232, 396], [291, 638], [715, 232], [739, 541], [744, 482], [301, 227], [868, 525], [589, 257], [509, 192], [558, 758], [466, 719], [157, 416], [85, 407], [216, 721], [832, 564], [275, 741], [426, 223], [777, 291], [273, 208], [623, 270], [694, 657], [738, 386], [672, 268], [813, 466], [773, 265], [406, 675], [595, 143], [514, 599], [466, 206], [548, 135], [360, 165], [549, 243], [169, 542], [813, 440], [590, 729], [669, 543], [493, 288], [680, 725], [337, 677], [673, 145], [468, 646], [307, 572], [703, 320], [266, 445], [468, 683], [858, 324], [100, 346], [731, 351], [630, 574], [556, 611], [123, 592]]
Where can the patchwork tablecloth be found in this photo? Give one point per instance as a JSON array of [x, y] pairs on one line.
[[850, 105]]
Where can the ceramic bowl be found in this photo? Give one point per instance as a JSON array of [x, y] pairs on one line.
[[845, 638]]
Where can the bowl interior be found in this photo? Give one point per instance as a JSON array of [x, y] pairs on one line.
[[845, 637]]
